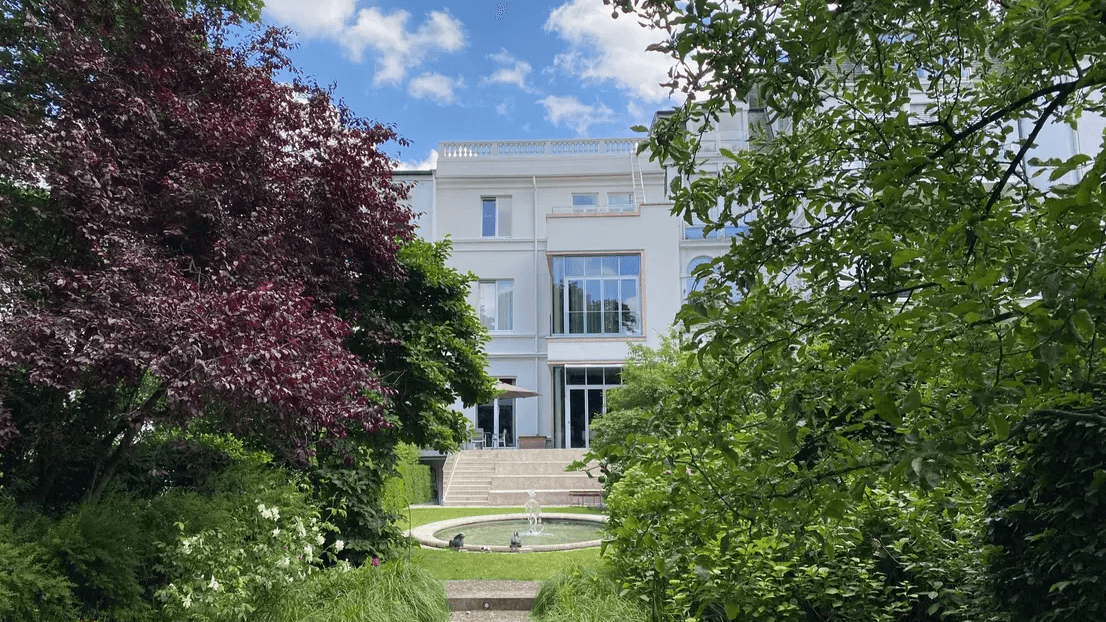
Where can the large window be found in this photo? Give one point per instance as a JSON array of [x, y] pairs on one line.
[[693, 283], [579, 396], [597, 295], [495, 219], [497, 304]]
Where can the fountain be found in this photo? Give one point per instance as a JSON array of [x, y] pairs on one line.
[[537, 531]]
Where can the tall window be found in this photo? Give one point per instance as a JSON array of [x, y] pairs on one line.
[[597, 295], [497, 420], [497, 304], [691, 282], [579, 396], [495, 219]]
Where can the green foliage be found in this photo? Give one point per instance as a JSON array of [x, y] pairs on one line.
[[437, 355], [410, 485], [582, 594], [394, 592], [1049, 525], [704, 523], [32, 584], [912, 285]]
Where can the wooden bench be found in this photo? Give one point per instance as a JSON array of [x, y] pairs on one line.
[[580, 497]]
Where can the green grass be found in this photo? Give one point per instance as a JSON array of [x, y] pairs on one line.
[[448, 565], [585, 595], [396, 591]]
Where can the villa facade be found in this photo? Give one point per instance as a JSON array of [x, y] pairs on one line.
[[578, 256]]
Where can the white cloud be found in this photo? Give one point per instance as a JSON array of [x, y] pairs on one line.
[[602, 48], [398, 49], [430, 162], [505, 106], [435, 87], [636, 112], [570, 112], [315, 18], [513, 71]]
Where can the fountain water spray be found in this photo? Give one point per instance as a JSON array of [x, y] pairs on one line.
[[533, 516]]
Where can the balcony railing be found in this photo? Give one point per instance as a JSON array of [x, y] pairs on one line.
[[594, 210], [537, 148]]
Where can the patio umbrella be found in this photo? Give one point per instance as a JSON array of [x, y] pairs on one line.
[[510, 390]]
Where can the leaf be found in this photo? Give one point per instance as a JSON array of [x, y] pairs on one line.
[[732, 609], [1083, 325], [904, 256]]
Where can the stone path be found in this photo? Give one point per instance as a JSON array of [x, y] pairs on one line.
[[491, 601]]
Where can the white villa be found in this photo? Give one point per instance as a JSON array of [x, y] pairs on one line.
[[578, 257]]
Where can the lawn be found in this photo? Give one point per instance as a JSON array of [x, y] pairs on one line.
[[473, 565]]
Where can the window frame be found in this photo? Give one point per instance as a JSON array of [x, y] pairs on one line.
[[595, 287], [501, 216], [495, 315]]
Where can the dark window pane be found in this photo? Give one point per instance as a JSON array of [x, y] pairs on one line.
[[612, 375], [610, 306], [507, 422], [576, 296], [488, 218], [485, 414], [629, 264], [595, 375], [630, 305], [576, 375], [595, 403], [576, 322], [576, 416], [558, 309], [595, 322]]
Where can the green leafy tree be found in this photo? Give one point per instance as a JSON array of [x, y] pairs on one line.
[[913, 287]]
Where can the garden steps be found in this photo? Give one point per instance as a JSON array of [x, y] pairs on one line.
[[505, 477], [485, 597]]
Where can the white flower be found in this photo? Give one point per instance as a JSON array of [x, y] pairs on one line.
[[187, 601], [300, 529], [338, 546], [308, 551], [261, 508], [214, 585], [276, 532], [344, 565], [319, 539], [284, 562]]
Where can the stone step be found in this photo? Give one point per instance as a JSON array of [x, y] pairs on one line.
[[491, 595], [490, 616]]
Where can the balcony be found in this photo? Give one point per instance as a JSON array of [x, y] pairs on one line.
[[698, 232], [469, 150], [595, 210]]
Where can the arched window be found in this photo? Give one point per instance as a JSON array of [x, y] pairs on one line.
[[692, 283]]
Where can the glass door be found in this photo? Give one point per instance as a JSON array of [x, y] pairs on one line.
[[497, 420], [586, 390]]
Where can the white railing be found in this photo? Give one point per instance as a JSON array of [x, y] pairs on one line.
[[594, 210], [537, 148]]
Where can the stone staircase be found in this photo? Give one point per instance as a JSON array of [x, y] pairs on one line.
[[504, 477]]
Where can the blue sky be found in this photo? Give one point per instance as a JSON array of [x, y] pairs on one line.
[[480, 70]]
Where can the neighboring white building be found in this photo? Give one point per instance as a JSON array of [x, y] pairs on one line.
[[578, 256]]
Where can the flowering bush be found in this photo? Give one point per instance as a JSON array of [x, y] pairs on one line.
[[219, 574]]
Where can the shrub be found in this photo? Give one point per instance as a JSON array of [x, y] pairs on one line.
[[585, 595], [32, 585], [1048, 525], [393, 592], [410, 485]]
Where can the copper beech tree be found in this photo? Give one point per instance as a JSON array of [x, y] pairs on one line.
[[175, 227]]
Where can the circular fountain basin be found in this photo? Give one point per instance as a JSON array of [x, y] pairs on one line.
[[493, 532]]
